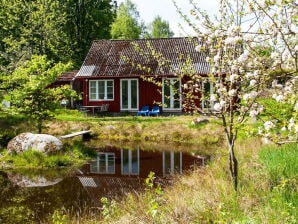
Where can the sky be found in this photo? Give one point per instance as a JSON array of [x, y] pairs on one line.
[[149, 9]]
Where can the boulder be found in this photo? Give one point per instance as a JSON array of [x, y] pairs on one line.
[[199, 121], [40, 142], [37, 181]]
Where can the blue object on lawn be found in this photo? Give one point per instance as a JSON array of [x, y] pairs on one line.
[[144, 111], [155, 111]]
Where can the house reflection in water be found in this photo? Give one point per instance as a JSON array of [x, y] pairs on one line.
[[115, 172]]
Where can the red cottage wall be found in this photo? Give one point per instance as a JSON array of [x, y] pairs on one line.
[[148, 94]]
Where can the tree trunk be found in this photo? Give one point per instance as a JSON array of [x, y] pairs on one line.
[[233, 165]]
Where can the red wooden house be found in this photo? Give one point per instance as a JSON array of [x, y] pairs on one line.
[[113, 72]]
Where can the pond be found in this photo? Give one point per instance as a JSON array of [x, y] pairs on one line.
[[28, 196]]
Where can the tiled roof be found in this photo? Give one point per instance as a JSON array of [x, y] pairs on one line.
[[109, 57], [67, 76]]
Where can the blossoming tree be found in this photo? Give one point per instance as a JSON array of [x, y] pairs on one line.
[[249, 44]]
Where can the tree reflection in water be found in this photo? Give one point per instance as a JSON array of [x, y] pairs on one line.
[[32, 195]]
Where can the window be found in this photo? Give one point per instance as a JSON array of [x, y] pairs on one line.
[[103, 164], [172, 163], [129, 94], [171, 94], [101, 90], [130, 162], [207, 90]]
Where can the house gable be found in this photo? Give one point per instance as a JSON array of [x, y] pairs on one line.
[[134, 59]]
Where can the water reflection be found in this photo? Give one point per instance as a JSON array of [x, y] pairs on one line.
[[30, 195], [114, 172]]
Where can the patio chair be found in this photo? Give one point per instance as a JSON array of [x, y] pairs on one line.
[[155, 111], [144, 111]]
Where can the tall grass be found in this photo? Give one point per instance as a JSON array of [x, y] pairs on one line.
[[267, 192], [73, 154]]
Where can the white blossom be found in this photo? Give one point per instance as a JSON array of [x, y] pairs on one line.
[[234, 77], [253, 82], [296, 107], [253, 113], [291, 124], [198, 48], [213, 97], [278, 98], [243, 57], [217, 107], [274, 55], [251, 95], [283, 128], [232, 92], [268, 125]]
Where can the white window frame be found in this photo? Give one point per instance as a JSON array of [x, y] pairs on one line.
[[105, 91], [130, 162], [129, 95], [106, 154], [172, 158], [171, 106]]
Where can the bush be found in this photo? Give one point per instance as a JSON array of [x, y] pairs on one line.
[[5, 137]]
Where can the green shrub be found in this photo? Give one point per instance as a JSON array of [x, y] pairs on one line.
[[28, 158], [6, 136]]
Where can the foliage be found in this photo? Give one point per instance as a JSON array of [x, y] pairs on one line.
[[160, 28], [126, 24], [154, 195], [108, 208], [62, 30], [59, 218], [5, 137], [87, 20], [29, 92]]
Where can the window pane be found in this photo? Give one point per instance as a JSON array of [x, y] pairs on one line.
[[92, 87], [124, 94], [177, 162], [206, 94], [167, 160], [93, 166], [111, 163], [110, 90], [125, 162], [167, 94], [102, 163], [176, 93], [134, 94], [134, 162], [101, 90]]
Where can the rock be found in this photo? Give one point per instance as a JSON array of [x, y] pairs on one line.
[[37, 181], [40, 142], [199, 121]]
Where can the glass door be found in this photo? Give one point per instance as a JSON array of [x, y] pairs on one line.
[[171, 94], [129, 94]]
